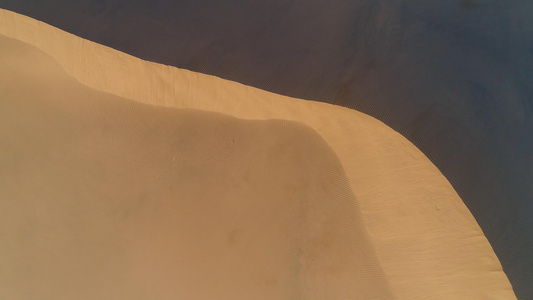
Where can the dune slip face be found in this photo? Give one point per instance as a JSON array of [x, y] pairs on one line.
[[217, 189]]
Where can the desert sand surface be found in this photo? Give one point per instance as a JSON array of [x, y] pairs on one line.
[[207, 195], [453, 77]]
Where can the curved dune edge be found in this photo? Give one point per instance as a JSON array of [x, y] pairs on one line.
[[428, 243]]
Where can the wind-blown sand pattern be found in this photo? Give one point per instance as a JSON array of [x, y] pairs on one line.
[[215, 191]]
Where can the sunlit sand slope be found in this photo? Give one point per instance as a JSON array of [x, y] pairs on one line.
[[103, 197]]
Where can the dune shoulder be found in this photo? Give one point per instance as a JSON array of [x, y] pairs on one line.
[[107, 198]]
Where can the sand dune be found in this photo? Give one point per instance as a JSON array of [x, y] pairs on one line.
[[103, 197], [453, 77]]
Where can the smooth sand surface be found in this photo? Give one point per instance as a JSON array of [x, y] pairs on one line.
[[106, 198], [103, 197]]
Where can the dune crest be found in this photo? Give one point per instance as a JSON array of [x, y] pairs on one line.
[[420, 234]]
